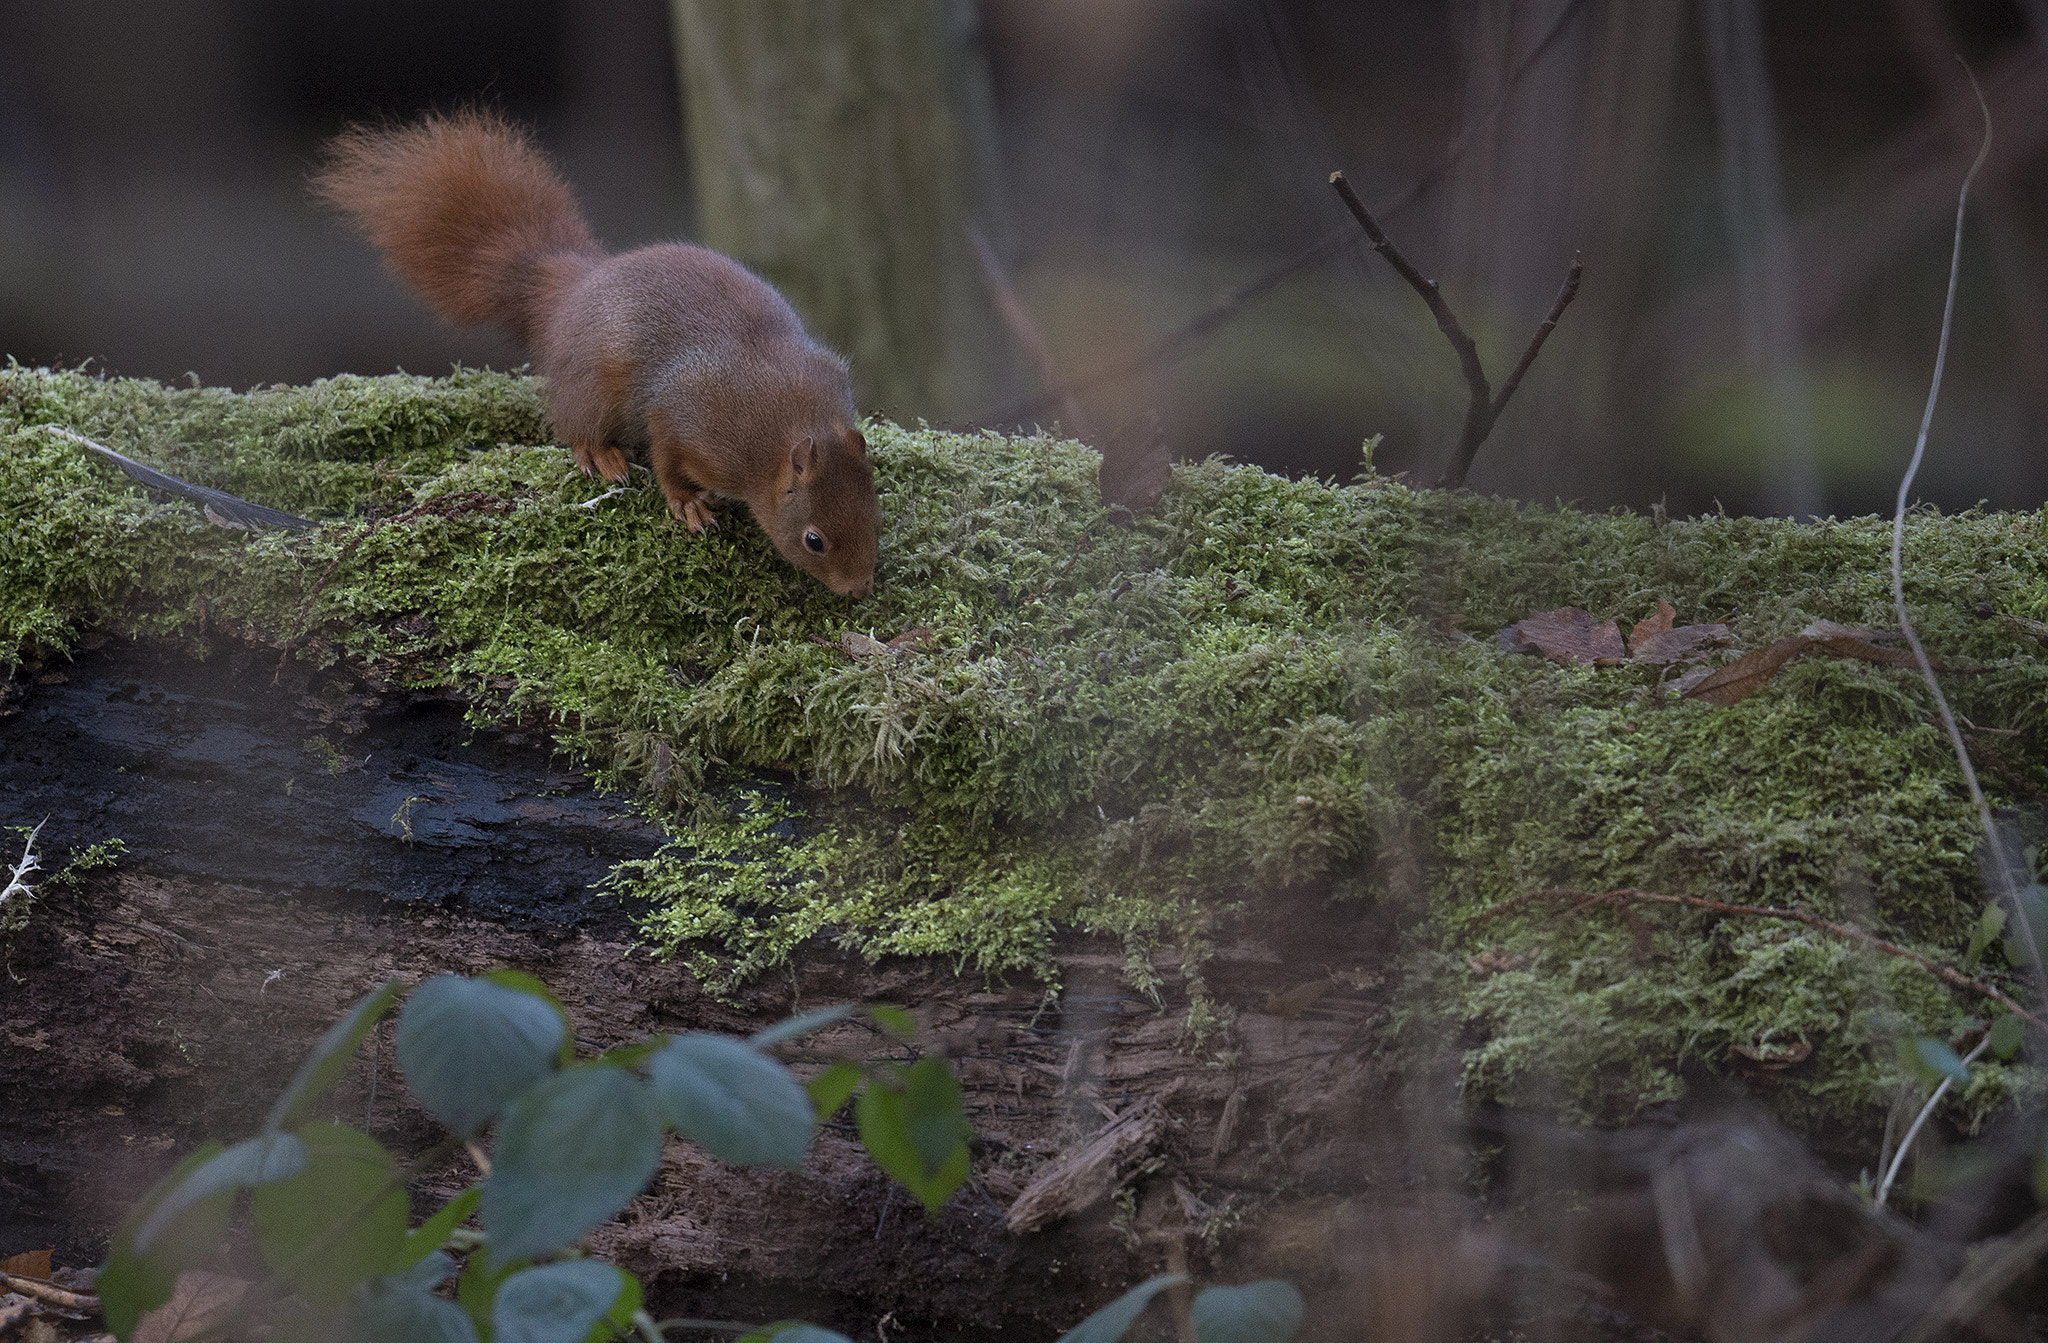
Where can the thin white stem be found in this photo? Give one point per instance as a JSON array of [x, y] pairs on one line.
[[2009, 885], [31, 861], [1906, 1144]]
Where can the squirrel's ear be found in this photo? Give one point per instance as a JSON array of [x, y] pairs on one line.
[[803, 455], [855, 441]]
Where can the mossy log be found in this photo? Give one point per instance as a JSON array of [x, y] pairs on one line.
[[1273, 702]]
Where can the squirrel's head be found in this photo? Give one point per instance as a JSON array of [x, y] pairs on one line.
[[827, 520]]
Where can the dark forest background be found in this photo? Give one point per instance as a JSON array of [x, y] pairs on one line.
[[1761, 189]]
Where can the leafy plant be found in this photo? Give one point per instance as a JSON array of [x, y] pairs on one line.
[[572, 1142]]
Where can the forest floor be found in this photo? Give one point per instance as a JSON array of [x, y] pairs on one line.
[[269, 880]]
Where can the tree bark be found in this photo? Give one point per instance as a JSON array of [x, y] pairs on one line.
[[840, 148]]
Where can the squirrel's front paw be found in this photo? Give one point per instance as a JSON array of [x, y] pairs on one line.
[[694, 512]]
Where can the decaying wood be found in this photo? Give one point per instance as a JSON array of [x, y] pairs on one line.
[[1094, 1169], [49, 1293]]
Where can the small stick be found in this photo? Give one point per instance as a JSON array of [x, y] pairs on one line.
[[1192, 334], [50, 1294], [1482, 407], [1628, 895], [1018, 318], [1906, 1143], [1996, 1265], [2008, 881]]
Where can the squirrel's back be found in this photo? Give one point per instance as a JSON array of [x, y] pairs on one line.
[[467, 210]]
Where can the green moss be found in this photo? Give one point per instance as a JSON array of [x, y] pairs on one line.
[[1262, 693]]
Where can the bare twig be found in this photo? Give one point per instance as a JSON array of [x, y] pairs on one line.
[[1194, 333], [18, 873], [2000, 865], [1891, 1173], [1025, 331], [50, 1294], [1995, 1266], [1482, 406], [1446, 322], [612, 493], [1625, 896]]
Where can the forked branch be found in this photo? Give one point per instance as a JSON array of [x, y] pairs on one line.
[[1483, 405]]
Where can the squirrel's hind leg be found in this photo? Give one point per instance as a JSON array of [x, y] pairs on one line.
[[600, 461]]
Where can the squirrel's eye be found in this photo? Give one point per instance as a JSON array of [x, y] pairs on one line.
[[814, 542]]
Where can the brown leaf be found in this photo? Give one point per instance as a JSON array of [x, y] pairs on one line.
[[32, 1264], [199, 1304], [1566, 636], [1854, 641], [1749, 673], [1136, 466], [911, 638], [1651, 627], [1660, 650], [862, 645]]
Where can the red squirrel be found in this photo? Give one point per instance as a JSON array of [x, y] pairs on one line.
[[672, 348]]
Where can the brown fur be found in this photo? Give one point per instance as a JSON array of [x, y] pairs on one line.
[[671, 348]]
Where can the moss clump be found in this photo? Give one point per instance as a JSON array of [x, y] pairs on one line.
[[1138, 731]]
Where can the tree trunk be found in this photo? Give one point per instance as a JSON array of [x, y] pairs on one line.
[[841, 148]]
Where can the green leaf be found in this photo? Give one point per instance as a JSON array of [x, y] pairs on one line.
[[1989, 925], [631, 1055], [477, 1289], [337, 1223], [556, 1303], [732, 1100], [794, 1331], [618, 1322], [570, 1153], [1938, 1058], [2033, 903], [915, 1128], [432, 1234], [1108, 1324], [831, 1089], [525, 983], [131, 1284], [2008, 1033], [402, 1307], [253, 1161], [802, 1024], [329, 1057], [468, 1046], [1267, 1311], [893, 1019]]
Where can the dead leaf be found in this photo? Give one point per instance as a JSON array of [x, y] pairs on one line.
[[1136, 465], [1651, 627], [911, 638], [1751, 672], [1566, 636], [1669, 646], [201, 1303], [862, 645], [33, 1264], [1854, 641]]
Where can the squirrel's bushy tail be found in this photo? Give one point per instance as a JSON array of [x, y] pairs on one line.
[[466, 209]]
